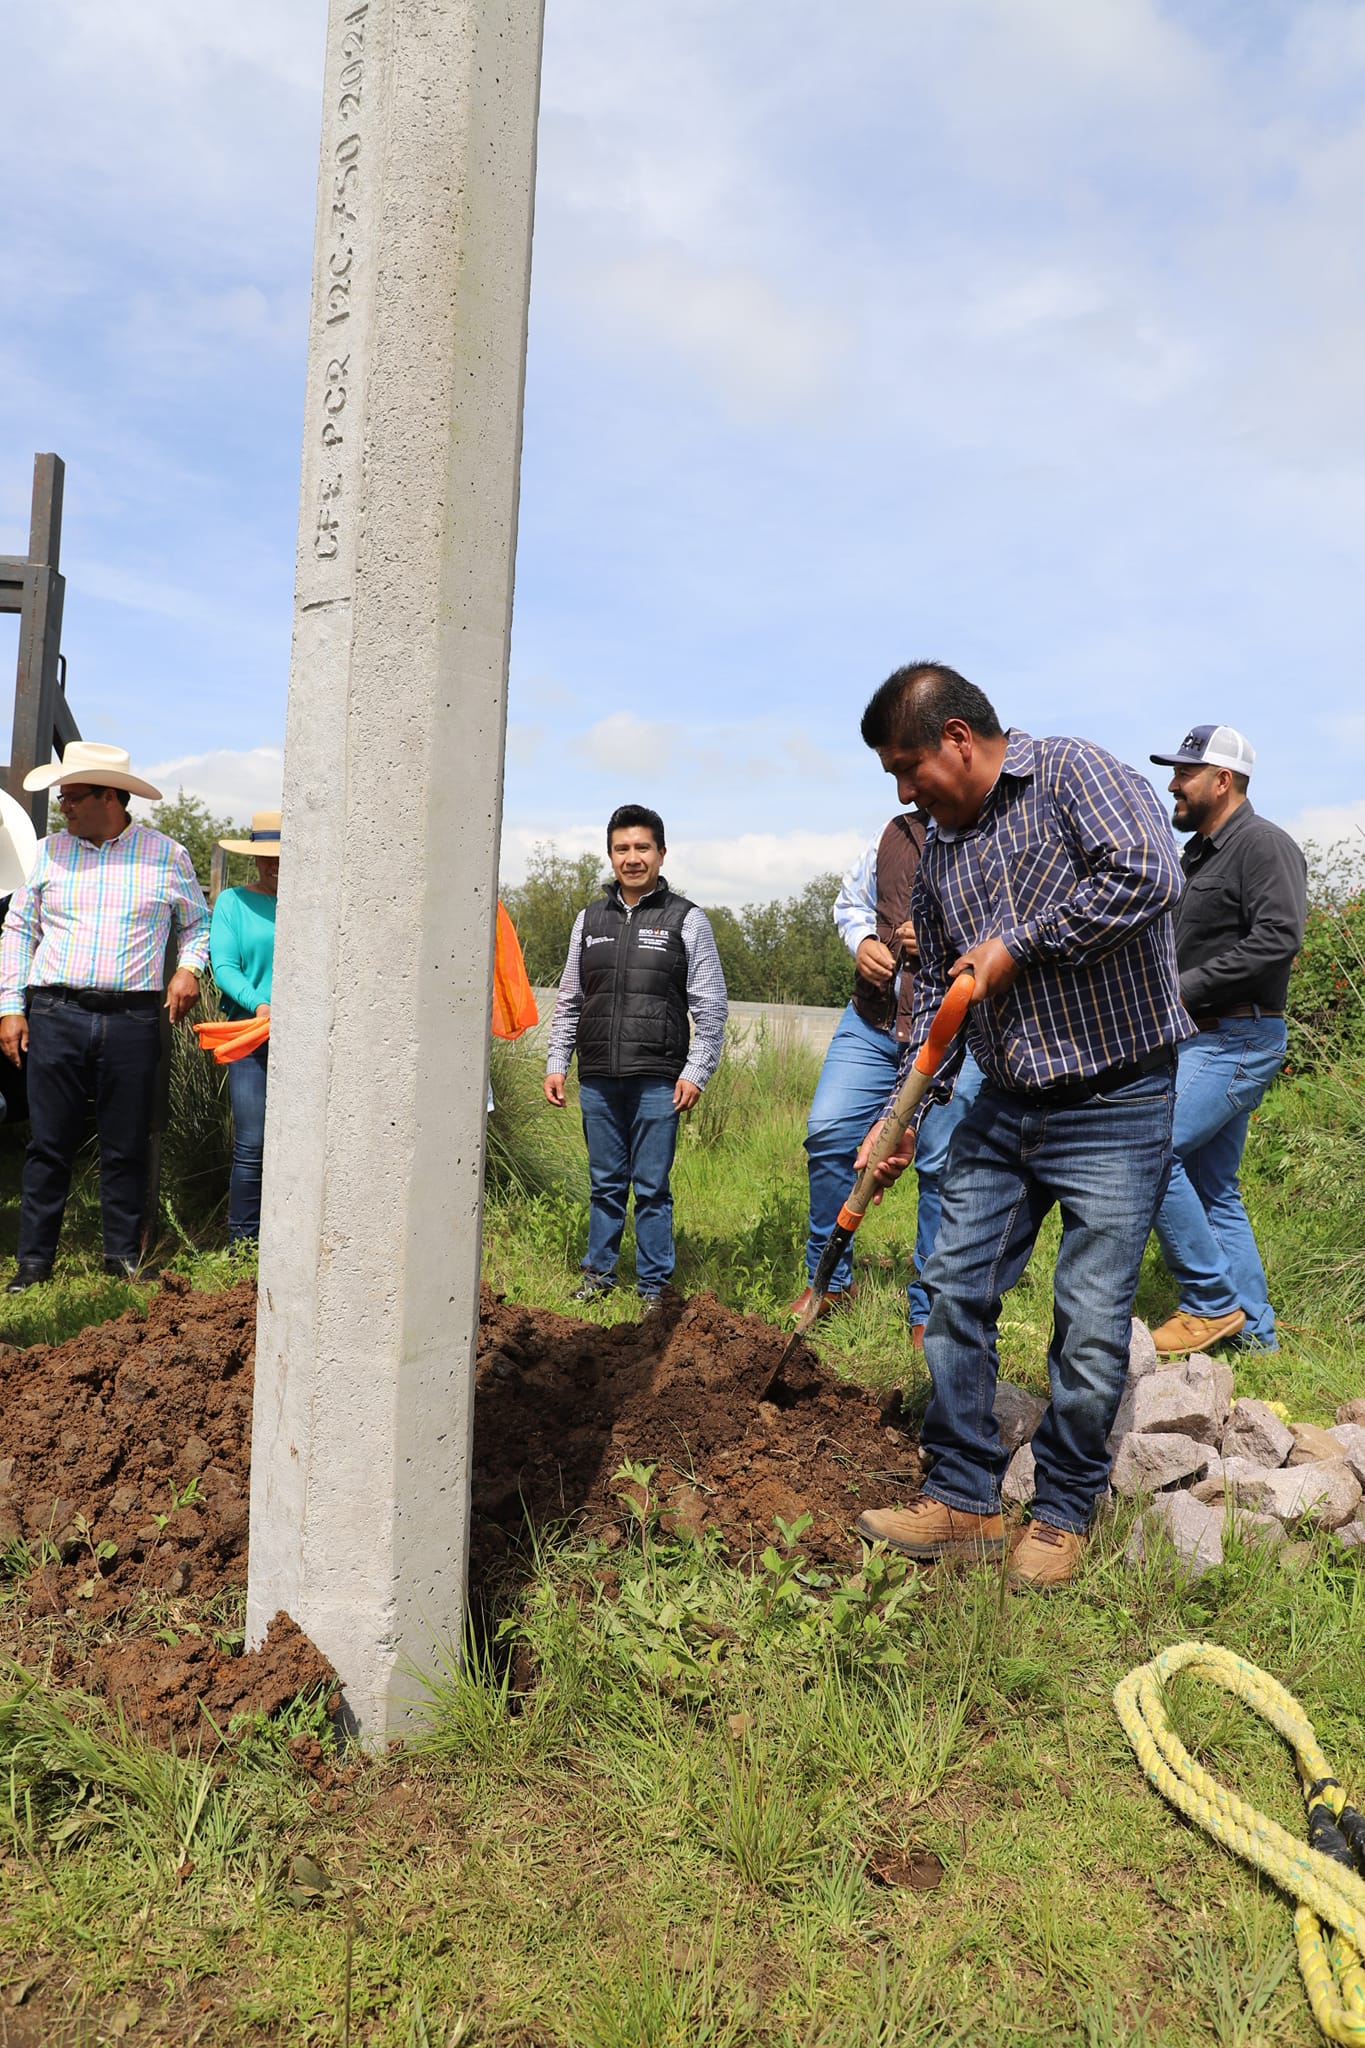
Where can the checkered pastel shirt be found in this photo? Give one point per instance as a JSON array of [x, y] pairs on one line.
[[1072, 863], [100, 916]]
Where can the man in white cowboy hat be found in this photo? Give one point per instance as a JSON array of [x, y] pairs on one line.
[[82, 962]]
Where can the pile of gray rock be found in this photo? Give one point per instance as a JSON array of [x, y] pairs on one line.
[[1208, 1463]]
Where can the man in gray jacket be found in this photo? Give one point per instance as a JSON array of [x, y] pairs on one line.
[[1238, 925]]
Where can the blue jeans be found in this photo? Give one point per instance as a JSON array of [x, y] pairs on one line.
[[1105, 1163], [631, 1128], [246, 1086], [855, 1082], [75, 1055], [1202, 1225]]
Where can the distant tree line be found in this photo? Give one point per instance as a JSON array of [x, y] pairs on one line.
[[785, 951]]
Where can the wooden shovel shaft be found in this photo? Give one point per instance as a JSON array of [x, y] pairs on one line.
[[944, 1029], [948, 1019]]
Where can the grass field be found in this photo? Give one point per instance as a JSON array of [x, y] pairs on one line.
[[681, 1801]]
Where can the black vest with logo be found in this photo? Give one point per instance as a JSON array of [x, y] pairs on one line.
[[632, 965]]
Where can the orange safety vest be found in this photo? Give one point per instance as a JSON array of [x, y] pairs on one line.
[[514, 1005]]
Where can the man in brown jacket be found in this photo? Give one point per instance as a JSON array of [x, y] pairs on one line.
[[872, 912]]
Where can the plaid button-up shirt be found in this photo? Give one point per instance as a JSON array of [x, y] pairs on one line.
[[1073, 865], [100, 916]]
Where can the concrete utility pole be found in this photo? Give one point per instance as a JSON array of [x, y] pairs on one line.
[[392, 808]]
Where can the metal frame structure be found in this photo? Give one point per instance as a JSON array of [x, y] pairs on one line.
[[33, 586]]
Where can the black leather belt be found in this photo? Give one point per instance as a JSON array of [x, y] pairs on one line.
[[1214, 1021], [107, 1001], [1066, 1094]]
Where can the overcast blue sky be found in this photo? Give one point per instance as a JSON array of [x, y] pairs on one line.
[[1022, 333]]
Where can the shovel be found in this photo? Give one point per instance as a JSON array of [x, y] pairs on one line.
[[948, 1019]]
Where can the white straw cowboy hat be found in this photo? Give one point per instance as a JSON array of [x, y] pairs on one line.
[[265, 837], [18, 844], [91, 761]]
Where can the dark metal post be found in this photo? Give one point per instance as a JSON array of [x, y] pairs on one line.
[[34, 586]]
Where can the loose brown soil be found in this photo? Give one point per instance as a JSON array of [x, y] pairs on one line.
[[124, 1470], [561, 1405]]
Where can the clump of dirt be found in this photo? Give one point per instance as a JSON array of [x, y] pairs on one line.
[[124, 1453], [124, 1462], [124, 1469], [561, 1405]]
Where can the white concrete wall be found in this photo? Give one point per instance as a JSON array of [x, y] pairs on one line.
[[392, 803]]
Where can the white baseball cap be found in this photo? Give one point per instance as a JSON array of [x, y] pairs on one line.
[[1211, 746]]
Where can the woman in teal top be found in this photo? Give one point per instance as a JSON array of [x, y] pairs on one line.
[[242, 952]]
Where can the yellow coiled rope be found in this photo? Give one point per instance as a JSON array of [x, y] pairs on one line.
[[1322, 1874]]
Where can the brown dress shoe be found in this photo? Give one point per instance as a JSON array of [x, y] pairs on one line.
[[927, 1529], [840, 1298], [1183, 1332], [1044, 1557]]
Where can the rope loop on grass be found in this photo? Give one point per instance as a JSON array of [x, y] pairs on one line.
[[1320, 1874]]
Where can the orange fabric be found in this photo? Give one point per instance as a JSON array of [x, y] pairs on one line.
[[238, 1048], [232, 1039], [514, 1005]]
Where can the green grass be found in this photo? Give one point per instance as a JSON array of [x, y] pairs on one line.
[[663, 1843], [650, 1810]]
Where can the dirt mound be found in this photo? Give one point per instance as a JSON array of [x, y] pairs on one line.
[[124, 1468], [124, 1452], [562, 1404]]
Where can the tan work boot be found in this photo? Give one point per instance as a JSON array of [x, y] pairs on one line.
[[1043, 1557], [1182, 1333], [840, 1298], [927, 1529]]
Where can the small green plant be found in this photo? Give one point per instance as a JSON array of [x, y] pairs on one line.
[[185, 1497]]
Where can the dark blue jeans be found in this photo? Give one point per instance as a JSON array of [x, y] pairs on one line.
[[631, 1128], [246, 1086], [77, 1058], [1105, 1163]]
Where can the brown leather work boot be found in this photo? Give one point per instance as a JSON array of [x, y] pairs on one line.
[[1043, 1557], [840, 1298], [1182, 1333], [927, 1529]]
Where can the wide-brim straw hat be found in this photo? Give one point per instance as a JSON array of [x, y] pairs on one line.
[[18, 844], [265, 837], [92, 761]]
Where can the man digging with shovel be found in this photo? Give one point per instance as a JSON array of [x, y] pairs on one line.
[[1050, 873]]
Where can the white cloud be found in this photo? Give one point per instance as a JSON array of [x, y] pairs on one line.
[[719, 753], [750, 867], [758, 349], [1329, 825], [233, 782]]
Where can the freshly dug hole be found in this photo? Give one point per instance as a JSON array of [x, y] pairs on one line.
[[124, 1469]]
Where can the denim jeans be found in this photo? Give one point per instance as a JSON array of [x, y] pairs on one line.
[[855, 1081], [246, 1086], [631, 1128], [1202, 1225], [1105, 1163], [75, 1055]]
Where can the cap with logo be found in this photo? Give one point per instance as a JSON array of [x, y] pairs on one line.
[[1211, 746]]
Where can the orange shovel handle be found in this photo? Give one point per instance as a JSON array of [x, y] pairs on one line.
[[948, 1020]]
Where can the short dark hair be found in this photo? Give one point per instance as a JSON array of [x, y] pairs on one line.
[[124, 796], [912, 707], [1241, 783], [626, 815]]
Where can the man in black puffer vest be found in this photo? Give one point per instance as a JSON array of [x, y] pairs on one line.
[[640, 958]]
